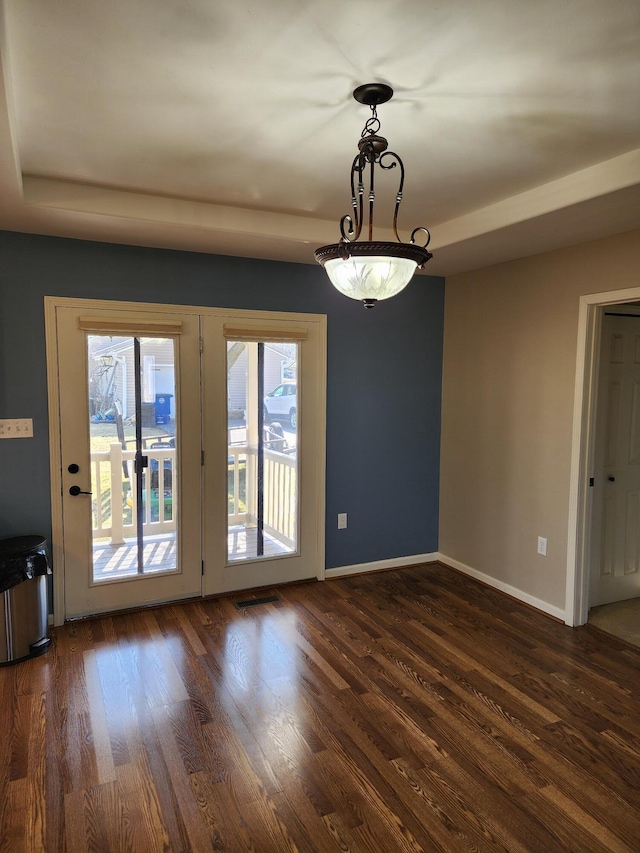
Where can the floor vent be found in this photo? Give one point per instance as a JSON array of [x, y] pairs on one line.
[[253, 602]]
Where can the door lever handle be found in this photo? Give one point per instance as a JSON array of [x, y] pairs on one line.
[[76, 490], [612, 479]]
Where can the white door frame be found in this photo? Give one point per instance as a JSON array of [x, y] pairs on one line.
[[583, 448], [51, 304]]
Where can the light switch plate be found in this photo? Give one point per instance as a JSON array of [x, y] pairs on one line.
[[16, 428]]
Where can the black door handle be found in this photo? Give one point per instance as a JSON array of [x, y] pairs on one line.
[[76, 490], [612, 479]]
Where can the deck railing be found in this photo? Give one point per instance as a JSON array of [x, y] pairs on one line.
[[113, 483], [280, 491]]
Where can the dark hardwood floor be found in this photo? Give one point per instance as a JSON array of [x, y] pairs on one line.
[[413, 710]]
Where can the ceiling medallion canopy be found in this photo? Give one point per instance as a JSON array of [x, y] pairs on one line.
[[366, 269]]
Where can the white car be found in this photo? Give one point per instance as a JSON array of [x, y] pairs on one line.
[[282, 403]]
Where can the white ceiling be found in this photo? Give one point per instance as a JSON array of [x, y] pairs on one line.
[[229, 127]]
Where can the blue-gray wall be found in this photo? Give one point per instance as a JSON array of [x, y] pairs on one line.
[[384, 372]]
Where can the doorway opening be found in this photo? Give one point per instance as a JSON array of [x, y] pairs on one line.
[[593, 533]]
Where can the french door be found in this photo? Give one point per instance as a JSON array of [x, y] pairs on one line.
[[170, 477], [273, 465], [125, 543]]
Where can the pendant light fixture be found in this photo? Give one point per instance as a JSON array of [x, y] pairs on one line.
[[372, 270]]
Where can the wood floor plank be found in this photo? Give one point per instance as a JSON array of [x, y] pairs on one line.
[[225, 828], [229, 734], [413, 710], [13, 835], [354, 759], [52, 785], [36, 817], [19, 737], [74, 839], [147, 817], [109, 820], [585, 833], [452, 812], [99, 729], [170, 674], [195, 827], [189, 631]]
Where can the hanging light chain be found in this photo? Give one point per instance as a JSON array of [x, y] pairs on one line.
[[373, 152], [372, 124]]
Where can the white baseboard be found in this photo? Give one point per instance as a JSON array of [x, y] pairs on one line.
[[380, 565], [513, 591]]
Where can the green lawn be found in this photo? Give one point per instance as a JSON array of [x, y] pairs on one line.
[[104, 434]]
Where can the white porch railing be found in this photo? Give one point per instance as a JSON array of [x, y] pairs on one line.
[[114, 510], [280, 492], [280, 497], [239, 454]]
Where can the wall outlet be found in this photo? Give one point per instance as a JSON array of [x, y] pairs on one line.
[[16, 428], [342, 520], [542, 546]]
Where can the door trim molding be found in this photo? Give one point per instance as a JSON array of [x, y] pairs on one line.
[[55, 457], [235, 315], [582, 448]]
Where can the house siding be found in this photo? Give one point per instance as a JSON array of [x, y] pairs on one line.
[[162, 354], [237, 377]]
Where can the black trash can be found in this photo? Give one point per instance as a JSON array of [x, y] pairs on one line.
[[24, 614]]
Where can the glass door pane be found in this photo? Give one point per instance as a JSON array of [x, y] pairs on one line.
[[132, 417], [262, 458]]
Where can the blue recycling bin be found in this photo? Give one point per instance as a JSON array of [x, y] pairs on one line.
[[163, 408]]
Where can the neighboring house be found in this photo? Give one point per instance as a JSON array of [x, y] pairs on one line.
[[111, 372], [276, 360]]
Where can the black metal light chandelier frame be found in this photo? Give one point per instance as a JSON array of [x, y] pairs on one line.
[[362, 279]]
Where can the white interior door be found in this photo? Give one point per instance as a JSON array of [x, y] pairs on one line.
[[130, 458], [615, 561]]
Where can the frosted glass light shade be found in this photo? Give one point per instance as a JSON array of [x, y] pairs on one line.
[[370, 277]]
